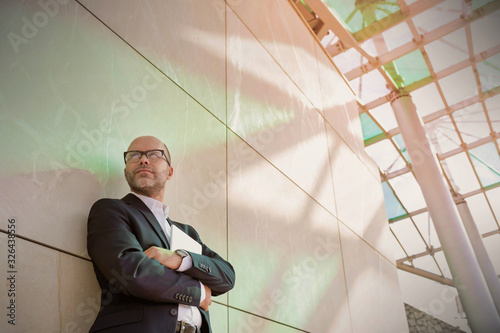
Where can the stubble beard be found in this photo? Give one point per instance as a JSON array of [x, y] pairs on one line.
[[145, 185]]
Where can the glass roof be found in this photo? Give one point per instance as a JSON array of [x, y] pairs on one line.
[[360, 14], [384, 116], [397, 36], [446, 54], [437, 16], [427, 100], [489, 72], [448, 50], [486, 162], [407, 69], [453, 92]]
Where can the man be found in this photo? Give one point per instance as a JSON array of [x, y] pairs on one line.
[[146, 287]]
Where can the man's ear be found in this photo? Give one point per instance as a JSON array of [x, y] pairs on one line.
[[170, 172]]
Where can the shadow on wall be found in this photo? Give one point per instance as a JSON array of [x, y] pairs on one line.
[[53, 275], [51, 207]]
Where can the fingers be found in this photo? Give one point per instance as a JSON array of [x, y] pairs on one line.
[[208, 299], [157, 253], [152, 252], [166, 257], [204, 305], [208, 292]]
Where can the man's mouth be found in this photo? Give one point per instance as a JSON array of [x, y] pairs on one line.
[[143, 171]]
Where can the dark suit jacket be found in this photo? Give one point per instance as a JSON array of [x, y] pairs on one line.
[[138, 293]]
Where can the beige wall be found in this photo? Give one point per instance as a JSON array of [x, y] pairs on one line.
[[266, 145]]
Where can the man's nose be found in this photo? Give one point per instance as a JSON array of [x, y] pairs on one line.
[[144, 159]]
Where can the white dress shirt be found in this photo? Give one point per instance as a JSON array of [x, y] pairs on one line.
[[189, 314]]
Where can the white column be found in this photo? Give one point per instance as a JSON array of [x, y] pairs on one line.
[[467, 277], [482, 256]]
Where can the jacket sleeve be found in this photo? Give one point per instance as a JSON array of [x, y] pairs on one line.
[[208, 267], [118, 255]]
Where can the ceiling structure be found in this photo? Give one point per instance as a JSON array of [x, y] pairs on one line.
[[446, 54]]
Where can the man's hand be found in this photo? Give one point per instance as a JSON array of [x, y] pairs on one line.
[[208, 299], [166, 257]]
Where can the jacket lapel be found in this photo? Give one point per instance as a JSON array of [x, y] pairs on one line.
[[137, 203]]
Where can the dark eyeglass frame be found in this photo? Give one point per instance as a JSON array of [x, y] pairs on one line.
[[145, 153]]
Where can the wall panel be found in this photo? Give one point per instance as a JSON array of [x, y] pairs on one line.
[[268, 111], [54, 292], [338, 104], [184, 39], [279, 29], [295, 274], [242, 322], [370, 281], [359, 199]]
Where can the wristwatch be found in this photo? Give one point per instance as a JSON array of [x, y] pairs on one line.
[[181, 253]]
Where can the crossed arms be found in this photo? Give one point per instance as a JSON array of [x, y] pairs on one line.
[[172, 260], [117, 235]]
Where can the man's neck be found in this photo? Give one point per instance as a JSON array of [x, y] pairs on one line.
[[158, 196]]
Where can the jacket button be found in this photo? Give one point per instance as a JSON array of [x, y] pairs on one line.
[[173, 312]]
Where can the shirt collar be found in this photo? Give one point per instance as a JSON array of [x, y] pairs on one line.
[[152, 203]]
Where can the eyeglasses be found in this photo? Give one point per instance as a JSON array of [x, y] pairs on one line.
[[153, 155]]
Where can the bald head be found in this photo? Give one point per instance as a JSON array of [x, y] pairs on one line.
[[148, 142]]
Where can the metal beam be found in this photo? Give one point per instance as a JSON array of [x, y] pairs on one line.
[[425, 274], [426, 39], [461, 149], [438, 249], [433, 116], [469, 146], [416, 44], [466, 195], [337, 26], [412, 10]]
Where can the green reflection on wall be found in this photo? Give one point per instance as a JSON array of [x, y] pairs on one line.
[[74, 95], [283, 286]]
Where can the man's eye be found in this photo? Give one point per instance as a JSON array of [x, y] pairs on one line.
[[135, 155], [154, 154]]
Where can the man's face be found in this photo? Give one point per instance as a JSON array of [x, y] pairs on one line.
[[144, 176]]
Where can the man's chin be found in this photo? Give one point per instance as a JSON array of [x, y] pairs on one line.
[[144, 182]]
